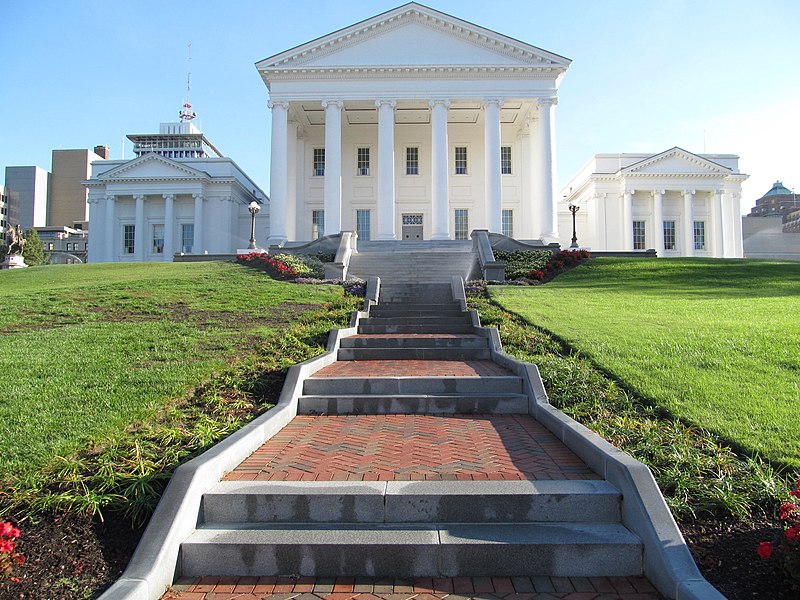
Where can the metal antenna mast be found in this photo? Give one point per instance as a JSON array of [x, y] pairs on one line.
[[186, 113]]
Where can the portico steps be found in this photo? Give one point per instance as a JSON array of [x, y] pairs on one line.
[[413, 267]]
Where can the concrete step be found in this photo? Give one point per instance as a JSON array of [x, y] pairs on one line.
[[455, 319], [412, 404], [389, 310], [378, 341], [586, 501], [411, 386], [413, 550], [414, 354], [383, 328]]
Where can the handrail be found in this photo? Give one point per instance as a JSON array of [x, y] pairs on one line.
[[341, 262], [493, 270]]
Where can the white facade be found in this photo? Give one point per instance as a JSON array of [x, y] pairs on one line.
[[676, 202], [397, 127], [151, 207]]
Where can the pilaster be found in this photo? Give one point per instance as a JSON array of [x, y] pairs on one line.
[[169, 227], [544, 156], [494, 187], [688, 222], [333, 166], [386, 187], [139, 232], [278, 176], [440, 222]]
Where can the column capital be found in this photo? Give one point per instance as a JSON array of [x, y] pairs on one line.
[[659, 192], [110, 197], [497, 101], [442, 101], [629, 191], [383, 101], [337, 103], [719, 192], [197, 196], [168, 196], [278, 104], [688, 193], [138, 197], [547, 102]]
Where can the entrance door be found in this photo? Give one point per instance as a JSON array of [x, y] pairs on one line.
[[412, 227]]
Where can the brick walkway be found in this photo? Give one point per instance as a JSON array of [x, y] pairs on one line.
[[413, 368], [345, 588], [412, 447]]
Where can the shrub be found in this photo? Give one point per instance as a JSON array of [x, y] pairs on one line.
[[303, 264], [520, 263]]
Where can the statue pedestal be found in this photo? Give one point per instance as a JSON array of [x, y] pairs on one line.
[[13, 261]]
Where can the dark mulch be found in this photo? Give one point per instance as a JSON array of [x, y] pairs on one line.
[[73, 557]]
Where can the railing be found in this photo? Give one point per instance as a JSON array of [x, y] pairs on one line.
[[341, 262], [492, 270]]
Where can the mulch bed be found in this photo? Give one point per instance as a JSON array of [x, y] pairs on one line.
[[71, 557]]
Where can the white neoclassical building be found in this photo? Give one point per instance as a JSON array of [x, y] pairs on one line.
[[179, 195], [675, 202], [413, 125]]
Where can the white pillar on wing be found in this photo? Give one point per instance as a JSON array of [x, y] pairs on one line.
[[333, 166], [278, 172], [97, 231], [494, 186], [658, 220], [111, 229], [627, 220], [719, 224], [139, 237], [737, 225], [169, 227], [688, 223], [440, 222], [199, 213], [386, 200], [291, 182], [545, 157]]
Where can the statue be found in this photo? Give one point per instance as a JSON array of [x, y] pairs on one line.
[[14, 240]]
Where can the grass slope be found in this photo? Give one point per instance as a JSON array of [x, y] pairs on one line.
[[714, 342], [85, 350]]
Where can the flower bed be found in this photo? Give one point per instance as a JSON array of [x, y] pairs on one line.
[[8, 556], [299, 268], [786, 550]]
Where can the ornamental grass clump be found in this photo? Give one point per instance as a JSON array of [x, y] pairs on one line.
[[8, 555], [786, 550]]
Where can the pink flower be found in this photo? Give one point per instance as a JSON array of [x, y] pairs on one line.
[[765, 550], [6, 546], [786, 510]]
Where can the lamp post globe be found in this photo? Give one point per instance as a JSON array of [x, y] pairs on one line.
[[253, 207]]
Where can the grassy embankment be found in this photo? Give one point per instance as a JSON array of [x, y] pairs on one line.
[[112, 374]]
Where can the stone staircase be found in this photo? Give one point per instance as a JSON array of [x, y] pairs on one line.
[[420, 358]]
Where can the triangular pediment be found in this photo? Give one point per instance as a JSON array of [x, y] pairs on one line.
[[152, 166], [675, 161], [410, 36]]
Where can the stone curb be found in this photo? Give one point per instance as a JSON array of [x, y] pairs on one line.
[[152, 568]]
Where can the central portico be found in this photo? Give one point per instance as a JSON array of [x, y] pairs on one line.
[[413, 124]]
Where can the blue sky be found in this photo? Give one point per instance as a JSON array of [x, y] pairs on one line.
[[646, 76]]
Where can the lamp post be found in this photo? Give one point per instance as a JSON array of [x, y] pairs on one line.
[[573, 209], [253, 208]]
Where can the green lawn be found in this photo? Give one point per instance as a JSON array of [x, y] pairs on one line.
[[87, 349], [714, 342]]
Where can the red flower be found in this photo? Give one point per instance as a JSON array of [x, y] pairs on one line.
[[786, 510], [765, 550], [6, 546], [795, 493], [793, 533]]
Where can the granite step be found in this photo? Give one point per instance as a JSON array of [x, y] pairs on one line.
[[409, 404], [403, 386]]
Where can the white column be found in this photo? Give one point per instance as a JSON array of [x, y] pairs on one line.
[[491, 149], [111, 230], [139, 232], [440, 222], [198, 244], [278, 172], [658, 218], [386, 202], [97, 230], [291, 185], [737, 225], [719, 224], [546, 168], [688, 223], [627, 220], [526, 225], [169, 227], [333, 166]]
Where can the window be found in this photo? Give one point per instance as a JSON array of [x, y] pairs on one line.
[[362, 224], [158, 239], [128, 238], [699, 235], [669, 235], [412, 161], [187, 237], [317, 224], [639, 241], [507, 222], [505, 160], [462, 224], [461, 160], [362, 161], [319, 162]]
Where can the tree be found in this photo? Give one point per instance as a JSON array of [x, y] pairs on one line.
[[34, 251]]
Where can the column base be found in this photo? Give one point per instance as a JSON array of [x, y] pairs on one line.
[[549, 237], [440, 236], [386, 238], [276, 241]]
